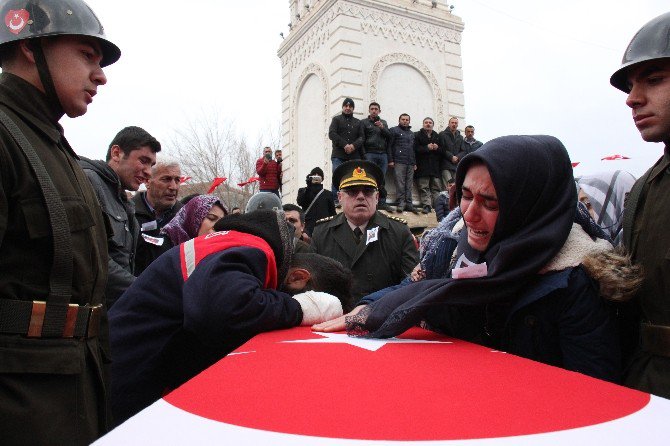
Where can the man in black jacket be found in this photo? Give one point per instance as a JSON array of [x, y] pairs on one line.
[[376, 137], [452, 142], [153, 210], [346, 134], [403, 162], [428, 153], [130, 157]]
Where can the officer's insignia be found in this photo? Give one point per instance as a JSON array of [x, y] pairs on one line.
[[401, 220], [323, 220], [16, 20]]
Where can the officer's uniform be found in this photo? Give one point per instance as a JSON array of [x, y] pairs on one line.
[[386, 252]]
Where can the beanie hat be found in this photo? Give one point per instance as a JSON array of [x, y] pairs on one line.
[[348, 101], [269, 225]]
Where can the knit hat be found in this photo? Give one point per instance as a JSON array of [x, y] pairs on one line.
[[269, 225], [348, 101]]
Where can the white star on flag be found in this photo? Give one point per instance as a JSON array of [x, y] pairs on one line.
[[366, 343]]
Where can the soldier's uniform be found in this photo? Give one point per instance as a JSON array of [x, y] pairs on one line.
[[53, 330]]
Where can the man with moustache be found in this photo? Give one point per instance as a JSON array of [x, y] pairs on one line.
[[378, 249], [153, 210], [130, 157], [645, 76], [346, 133], [428, 154]]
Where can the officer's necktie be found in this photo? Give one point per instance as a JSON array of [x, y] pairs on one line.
[[357, 234]]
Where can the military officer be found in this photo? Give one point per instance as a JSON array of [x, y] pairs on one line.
[[53, 244], [379, 250]]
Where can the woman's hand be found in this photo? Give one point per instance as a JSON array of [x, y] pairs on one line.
[[337, 324], [417, 273]]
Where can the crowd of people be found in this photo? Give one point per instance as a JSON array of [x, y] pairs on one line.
[[107, 302]]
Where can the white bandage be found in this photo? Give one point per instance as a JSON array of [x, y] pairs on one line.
[[318, 307]]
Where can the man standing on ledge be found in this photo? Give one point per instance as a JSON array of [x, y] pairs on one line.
[[346, 134], [53, 245], [379, 250], [376, 137], [645, 76]]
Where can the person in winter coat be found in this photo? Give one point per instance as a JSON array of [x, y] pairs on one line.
[[376, 137], [514, 268], [346, 134], [269, 172], [206, 297], [195, 218], [316, 201], [130, 156], [454, 150], [403, 162], [428, 152]]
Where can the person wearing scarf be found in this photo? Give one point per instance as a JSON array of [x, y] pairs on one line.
[[197, 217], [604, 194], [512, 274]]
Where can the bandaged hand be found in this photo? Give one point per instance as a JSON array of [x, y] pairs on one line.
[[318, 307]]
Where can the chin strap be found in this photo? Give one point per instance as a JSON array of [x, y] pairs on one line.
[[35, 46]]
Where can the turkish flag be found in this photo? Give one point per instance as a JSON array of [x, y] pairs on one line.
[[182, 180], [215, 183], [295, 386], [249, 181], [575, 164], [614, 157]]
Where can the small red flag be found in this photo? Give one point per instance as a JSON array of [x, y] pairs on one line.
[[249, 181], [575, 164], [216, 182], [614, 157], [182, 180]]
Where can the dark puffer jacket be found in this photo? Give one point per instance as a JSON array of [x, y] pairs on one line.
[[343, 130], [401, 145]]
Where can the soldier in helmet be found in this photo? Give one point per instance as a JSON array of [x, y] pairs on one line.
[[53, 250], [645, 76]]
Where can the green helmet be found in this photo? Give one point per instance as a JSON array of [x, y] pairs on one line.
[[651, 42], [263, 201], [28, 19]]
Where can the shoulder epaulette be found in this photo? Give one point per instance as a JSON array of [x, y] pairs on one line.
[[323, 220], [401, 220]]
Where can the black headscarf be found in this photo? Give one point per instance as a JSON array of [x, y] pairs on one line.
[[532, 176]]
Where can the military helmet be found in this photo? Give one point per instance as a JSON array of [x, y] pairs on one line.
[[651, 42], [263, 201], [28, 19]]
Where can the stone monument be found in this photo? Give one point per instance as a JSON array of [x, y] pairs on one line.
[[404, 54]]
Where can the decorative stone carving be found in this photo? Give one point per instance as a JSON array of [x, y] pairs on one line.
[[412, 61]]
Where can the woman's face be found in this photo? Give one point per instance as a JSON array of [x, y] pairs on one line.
[[479, 206], [585, 199], [215, 214]]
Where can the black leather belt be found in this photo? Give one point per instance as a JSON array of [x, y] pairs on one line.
[[27, 318], [655, 339]]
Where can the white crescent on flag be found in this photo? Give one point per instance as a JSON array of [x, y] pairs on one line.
[[296, 387]]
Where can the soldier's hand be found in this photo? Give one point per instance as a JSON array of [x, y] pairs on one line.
[[338, 324]]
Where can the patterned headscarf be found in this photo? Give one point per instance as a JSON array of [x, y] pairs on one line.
[[606, 192], [186, 224]]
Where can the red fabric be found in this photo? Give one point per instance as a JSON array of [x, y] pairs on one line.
[[216, 182], [182, 180], [615, 157], [575, 164], [249, 181], [269, 173], [222, 240], [400, 392]]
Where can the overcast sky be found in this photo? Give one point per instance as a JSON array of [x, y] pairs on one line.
[[530, 67]]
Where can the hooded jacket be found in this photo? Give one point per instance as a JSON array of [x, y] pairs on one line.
[[121, 224]]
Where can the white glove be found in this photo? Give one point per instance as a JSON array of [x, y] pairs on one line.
[[318, 307]]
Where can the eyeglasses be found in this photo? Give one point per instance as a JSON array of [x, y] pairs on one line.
[[354, 191]]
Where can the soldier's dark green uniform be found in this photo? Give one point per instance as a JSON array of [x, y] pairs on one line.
[[53, 373]]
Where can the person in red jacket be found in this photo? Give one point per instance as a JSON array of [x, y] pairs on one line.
[[269, 172]]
